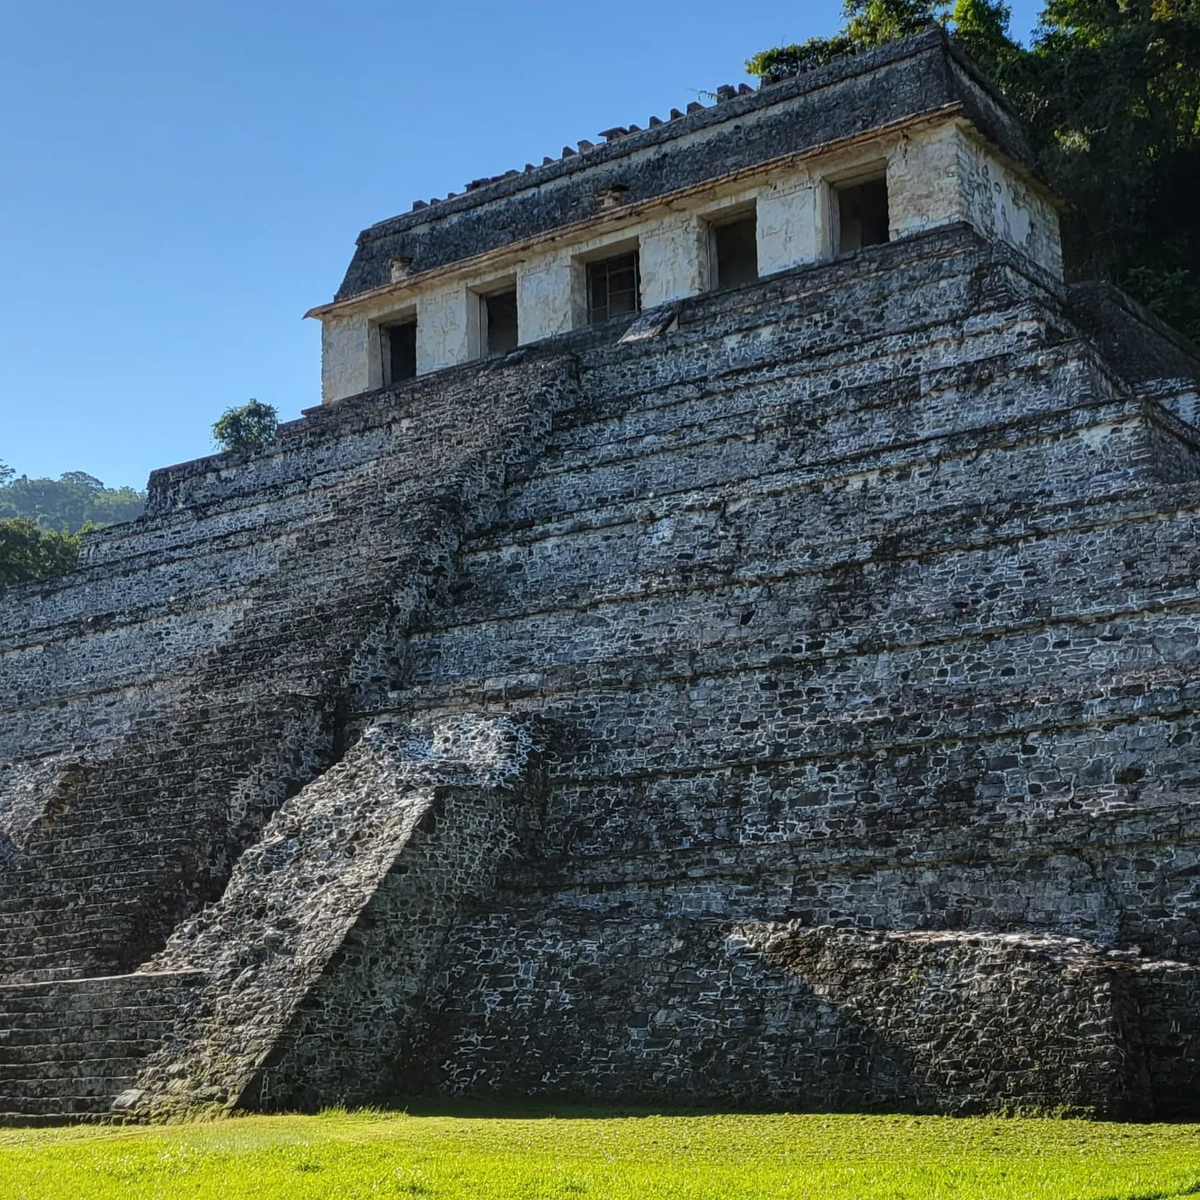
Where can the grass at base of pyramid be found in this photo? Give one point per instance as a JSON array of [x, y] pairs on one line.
[[494, 1152]]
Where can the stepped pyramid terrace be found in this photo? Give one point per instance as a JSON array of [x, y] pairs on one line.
[[729, 635]]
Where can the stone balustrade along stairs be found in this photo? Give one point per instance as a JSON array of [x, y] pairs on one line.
[[433, 806]]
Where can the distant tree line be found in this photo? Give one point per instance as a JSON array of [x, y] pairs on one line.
[[66, 504], [1110, 91], [41, 520]]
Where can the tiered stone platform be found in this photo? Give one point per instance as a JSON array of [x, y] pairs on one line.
[[798, 706]]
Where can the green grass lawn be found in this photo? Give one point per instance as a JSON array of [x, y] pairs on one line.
[[585, 1154]]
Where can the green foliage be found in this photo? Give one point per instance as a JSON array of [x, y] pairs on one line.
[[868, 23], [241, 428], [981, 28], [1113, 96], [1110, 90], [501, 1152], [68, 503], [782, 61], [874, 22], [28, 552]]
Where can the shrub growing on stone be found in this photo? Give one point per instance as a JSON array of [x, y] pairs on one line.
[[241, 428]]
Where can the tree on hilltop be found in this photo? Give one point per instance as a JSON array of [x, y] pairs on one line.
[[41, 520], [68, 503]]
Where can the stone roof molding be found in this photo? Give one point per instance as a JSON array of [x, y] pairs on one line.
[[819, 108]]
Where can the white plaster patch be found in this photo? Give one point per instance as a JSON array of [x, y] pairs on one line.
[[443, 329], [788, 224], [546, 301], [922, 178], [940, 175], [674, 259], [1095, 437], [345, 357]]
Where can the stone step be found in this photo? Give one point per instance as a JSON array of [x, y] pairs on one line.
[[699, 541], [683, 725], [1061, 454], [72, 1060], [90, 1077], [792, 619], [134, 1030], [804, 392], [69, 1047], [53, 1116]]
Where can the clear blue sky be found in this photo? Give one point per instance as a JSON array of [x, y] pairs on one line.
[[182, 180]]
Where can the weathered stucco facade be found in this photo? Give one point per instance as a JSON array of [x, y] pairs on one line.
[[912, 114], [783, 695]]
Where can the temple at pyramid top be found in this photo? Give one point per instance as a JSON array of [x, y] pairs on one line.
[[869, 149]]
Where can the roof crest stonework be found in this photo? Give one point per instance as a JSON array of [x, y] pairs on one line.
[[722, 108], [836, 104]]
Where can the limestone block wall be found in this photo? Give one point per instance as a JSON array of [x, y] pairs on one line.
[[364, 1016], [856, 612], [1168, 1000], [866, 601], [843, 1018], [1001, 204]]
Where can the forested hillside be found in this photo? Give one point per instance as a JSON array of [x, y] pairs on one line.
[[1110, 91], [66, 504], [41, 519]]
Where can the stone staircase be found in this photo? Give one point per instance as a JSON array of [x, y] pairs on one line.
[[129, 824], [68, 1048], [413, 820]]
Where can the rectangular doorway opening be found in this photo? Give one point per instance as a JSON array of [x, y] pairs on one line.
[[734, 249], [398, 344], [498, 314], [862, 214]]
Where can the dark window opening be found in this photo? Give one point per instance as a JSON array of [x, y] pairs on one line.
[[613, 287], [500, 323], [735, 245], [399, 351], [862, 215]]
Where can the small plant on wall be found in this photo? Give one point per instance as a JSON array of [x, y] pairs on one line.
[[242, 428]]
